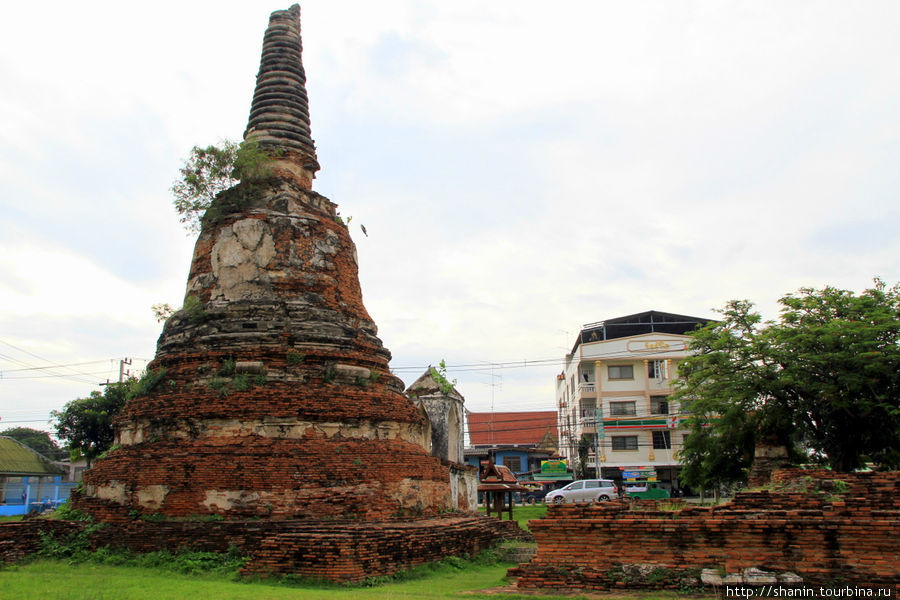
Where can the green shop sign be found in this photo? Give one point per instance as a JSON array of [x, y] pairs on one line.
[[553, 467], [638, 473]]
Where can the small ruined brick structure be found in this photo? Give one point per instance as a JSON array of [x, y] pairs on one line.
[[272, 395], [444, 407]]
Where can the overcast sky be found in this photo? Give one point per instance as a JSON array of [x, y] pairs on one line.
[[522, 168]]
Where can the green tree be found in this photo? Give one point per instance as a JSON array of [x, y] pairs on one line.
[[717, 457], [824, 377], [210, 171], [39, 441], [839, 359], [85, 424], [584, 447]]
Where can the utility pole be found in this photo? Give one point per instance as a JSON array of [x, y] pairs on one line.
[[493, 383], [122, 371], [600, 434]]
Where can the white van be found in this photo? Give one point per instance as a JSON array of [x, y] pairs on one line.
[[585, 490]]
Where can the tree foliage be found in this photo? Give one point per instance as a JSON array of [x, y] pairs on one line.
[[210, 171], [85, 424], [824, 378], [585, 444], [39, 441]]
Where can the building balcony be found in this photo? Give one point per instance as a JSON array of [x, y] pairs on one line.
[[587, 390]]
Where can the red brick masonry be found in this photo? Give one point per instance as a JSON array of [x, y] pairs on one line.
[[842, 533], [336, 551]]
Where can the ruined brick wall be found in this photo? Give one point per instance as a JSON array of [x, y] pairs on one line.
[[18, 539], [340, 551], [360, 551], [850, 535]]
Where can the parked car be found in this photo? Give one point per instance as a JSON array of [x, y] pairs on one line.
[[585, 490], [643, 490], [535, 493], [635, 488]]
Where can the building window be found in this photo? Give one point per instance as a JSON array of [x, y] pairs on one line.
[[656, 369], [621, 371], [589, 410], [514, 463], [659, 405], [662, 440], [619, 409], [624, 442], [587, 373]]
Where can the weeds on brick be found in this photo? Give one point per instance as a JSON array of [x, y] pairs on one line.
[[218, 384], [65, 512], [147, 383], [227, 369], [241, 382], [75, 548], [194, 311]]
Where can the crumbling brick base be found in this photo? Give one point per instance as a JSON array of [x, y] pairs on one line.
[[344, 552], [825, 533]]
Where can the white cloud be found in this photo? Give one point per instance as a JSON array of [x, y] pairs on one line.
[[521, 169]]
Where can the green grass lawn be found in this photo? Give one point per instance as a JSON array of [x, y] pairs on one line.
[[57, 580], [525, 513], [9, 518]]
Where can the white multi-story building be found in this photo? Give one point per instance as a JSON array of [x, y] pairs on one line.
[[614, 392]]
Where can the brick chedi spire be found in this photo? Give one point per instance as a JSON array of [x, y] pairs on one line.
[[279, 116], [270, 395]]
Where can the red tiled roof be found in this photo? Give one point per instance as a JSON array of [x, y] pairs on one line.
[[502, 428], [493, 473]]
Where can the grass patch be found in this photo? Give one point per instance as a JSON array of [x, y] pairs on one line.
[[10, 518], [524, 513], [59, 580]]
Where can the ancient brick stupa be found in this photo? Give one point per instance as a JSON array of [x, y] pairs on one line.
[[270, 394]]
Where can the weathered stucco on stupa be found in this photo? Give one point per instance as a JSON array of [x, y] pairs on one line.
[[274, 397]]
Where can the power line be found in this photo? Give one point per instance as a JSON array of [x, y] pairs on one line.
[[484, 366], [74, 376], [91, 362], [56, 375], [51, 369]]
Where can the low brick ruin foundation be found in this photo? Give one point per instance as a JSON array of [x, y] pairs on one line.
[[808, 528], [338, 551]]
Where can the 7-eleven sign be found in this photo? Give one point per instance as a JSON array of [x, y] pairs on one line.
[[672, 421]]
